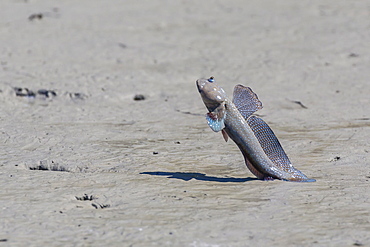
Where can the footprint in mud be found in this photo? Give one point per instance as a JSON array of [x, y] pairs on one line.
[[96, 205], [23, 92], [77, 96], [46, 94], [101, 206], [86, 197]]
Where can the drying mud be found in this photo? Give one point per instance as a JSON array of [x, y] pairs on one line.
[[104, 142]]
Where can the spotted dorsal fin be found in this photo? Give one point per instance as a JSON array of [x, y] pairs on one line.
[[246, 101], [268, 141], [273, 149]]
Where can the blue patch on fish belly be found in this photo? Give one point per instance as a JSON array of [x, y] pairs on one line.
[[215, 124]]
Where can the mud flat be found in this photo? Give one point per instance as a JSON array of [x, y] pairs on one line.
[[104, 140]]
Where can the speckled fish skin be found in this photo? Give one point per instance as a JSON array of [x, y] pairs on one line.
[[262, 152]]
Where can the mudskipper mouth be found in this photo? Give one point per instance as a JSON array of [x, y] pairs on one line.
[[199, 89], [200, 85]]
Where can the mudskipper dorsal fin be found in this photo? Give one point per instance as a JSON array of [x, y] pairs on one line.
[[272, 147], [268, 141], [246, 101]]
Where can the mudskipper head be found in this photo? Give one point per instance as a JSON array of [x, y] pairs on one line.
[[214, 97], [211, 93]]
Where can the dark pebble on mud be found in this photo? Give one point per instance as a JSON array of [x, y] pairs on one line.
[[336, 158], [35, 16], [139, 97], [122, 45], [358, 243]]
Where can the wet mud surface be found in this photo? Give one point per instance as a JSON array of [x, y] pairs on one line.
[[103, 134]]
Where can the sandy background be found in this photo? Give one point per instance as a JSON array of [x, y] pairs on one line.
[[153, 173]]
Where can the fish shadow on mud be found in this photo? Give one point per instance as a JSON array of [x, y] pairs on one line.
[[186, 176]]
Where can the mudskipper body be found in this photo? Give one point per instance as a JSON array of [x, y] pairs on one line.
[[262, 151]]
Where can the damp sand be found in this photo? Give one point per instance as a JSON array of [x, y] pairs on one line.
[[104, 140]]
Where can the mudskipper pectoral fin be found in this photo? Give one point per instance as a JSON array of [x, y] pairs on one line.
[[246, 101], [217, 124], [215, 121], [224, 134]]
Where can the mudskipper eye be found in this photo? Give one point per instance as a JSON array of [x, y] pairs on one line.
[[211, 79]]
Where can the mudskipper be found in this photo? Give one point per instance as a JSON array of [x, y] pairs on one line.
[[262, 151]]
